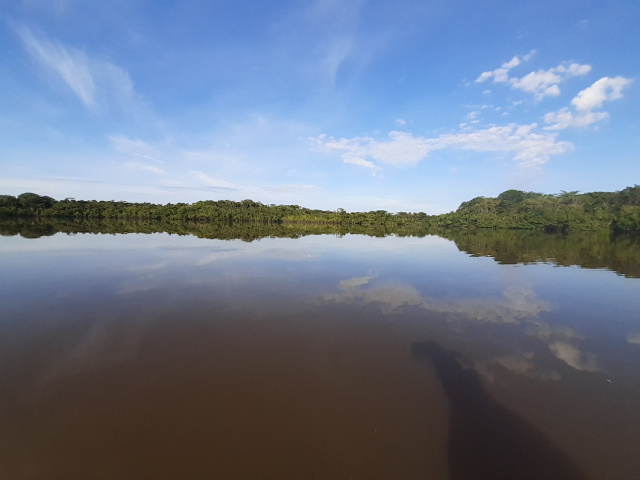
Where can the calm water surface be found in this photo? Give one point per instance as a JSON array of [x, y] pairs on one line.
[[481, 355]]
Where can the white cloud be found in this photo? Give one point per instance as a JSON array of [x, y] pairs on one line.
[[403, 148], [473, 115], [605, 89], [563, 118], [400, 121], [528, 55], [544, 83], [284, 189], [634, 338], [337, 53], [95, 83], [214, 182], [486, 92], [541, 83], [499, 74], [363, 163], [529, 148], [141, 166], [294, 188]]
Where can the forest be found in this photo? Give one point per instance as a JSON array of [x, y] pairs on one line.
[[597, 249], [514, 209]]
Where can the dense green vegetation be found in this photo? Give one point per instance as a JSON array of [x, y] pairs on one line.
[[597, 250], [600, 249], [513, 209], [35, 227]]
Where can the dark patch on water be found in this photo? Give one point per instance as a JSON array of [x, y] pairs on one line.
[[486, 440]]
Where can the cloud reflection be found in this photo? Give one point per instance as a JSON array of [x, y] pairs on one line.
[[634, 338], [516, 303], [573, 357]]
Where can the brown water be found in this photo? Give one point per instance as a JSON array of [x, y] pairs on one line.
[[163, 356]]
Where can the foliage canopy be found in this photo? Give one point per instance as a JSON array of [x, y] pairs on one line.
[[513, 209]]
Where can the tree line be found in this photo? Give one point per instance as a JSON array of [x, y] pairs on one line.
[[514, 209], [597, 249]]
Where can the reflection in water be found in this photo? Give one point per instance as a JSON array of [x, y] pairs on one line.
[[586, 249], [103, 345], [521, 364], [172, 356], [573, 357], [487, 441], [516, 303]]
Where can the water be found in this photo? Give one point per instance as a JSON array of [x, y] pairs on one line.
[[446, 355]]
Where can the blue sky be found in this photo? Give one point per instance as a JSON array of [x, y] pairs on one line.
[[402, 106]]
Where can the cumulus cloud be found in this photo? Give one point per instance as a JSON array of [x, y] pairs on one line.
[[528, 147], [400, 121], [545, 83], [564, 118], [95, 83], [500, 74], [605, 89], [542, 83]]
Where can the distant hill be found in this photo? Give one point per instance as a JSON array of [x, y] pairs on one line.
[[513, 209]]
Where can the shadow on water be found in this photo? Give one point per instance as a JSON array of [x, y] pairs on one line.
[[487, 441]]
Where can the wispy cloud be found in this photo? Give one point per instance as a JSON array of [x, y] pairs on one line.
[[214, 182], [337, 52], [605, 89], [137, 148], [96, 83], [294, 188], [141, 166]]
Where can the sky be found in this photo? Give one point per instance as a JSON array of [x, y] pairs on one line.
[[362, 105]]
